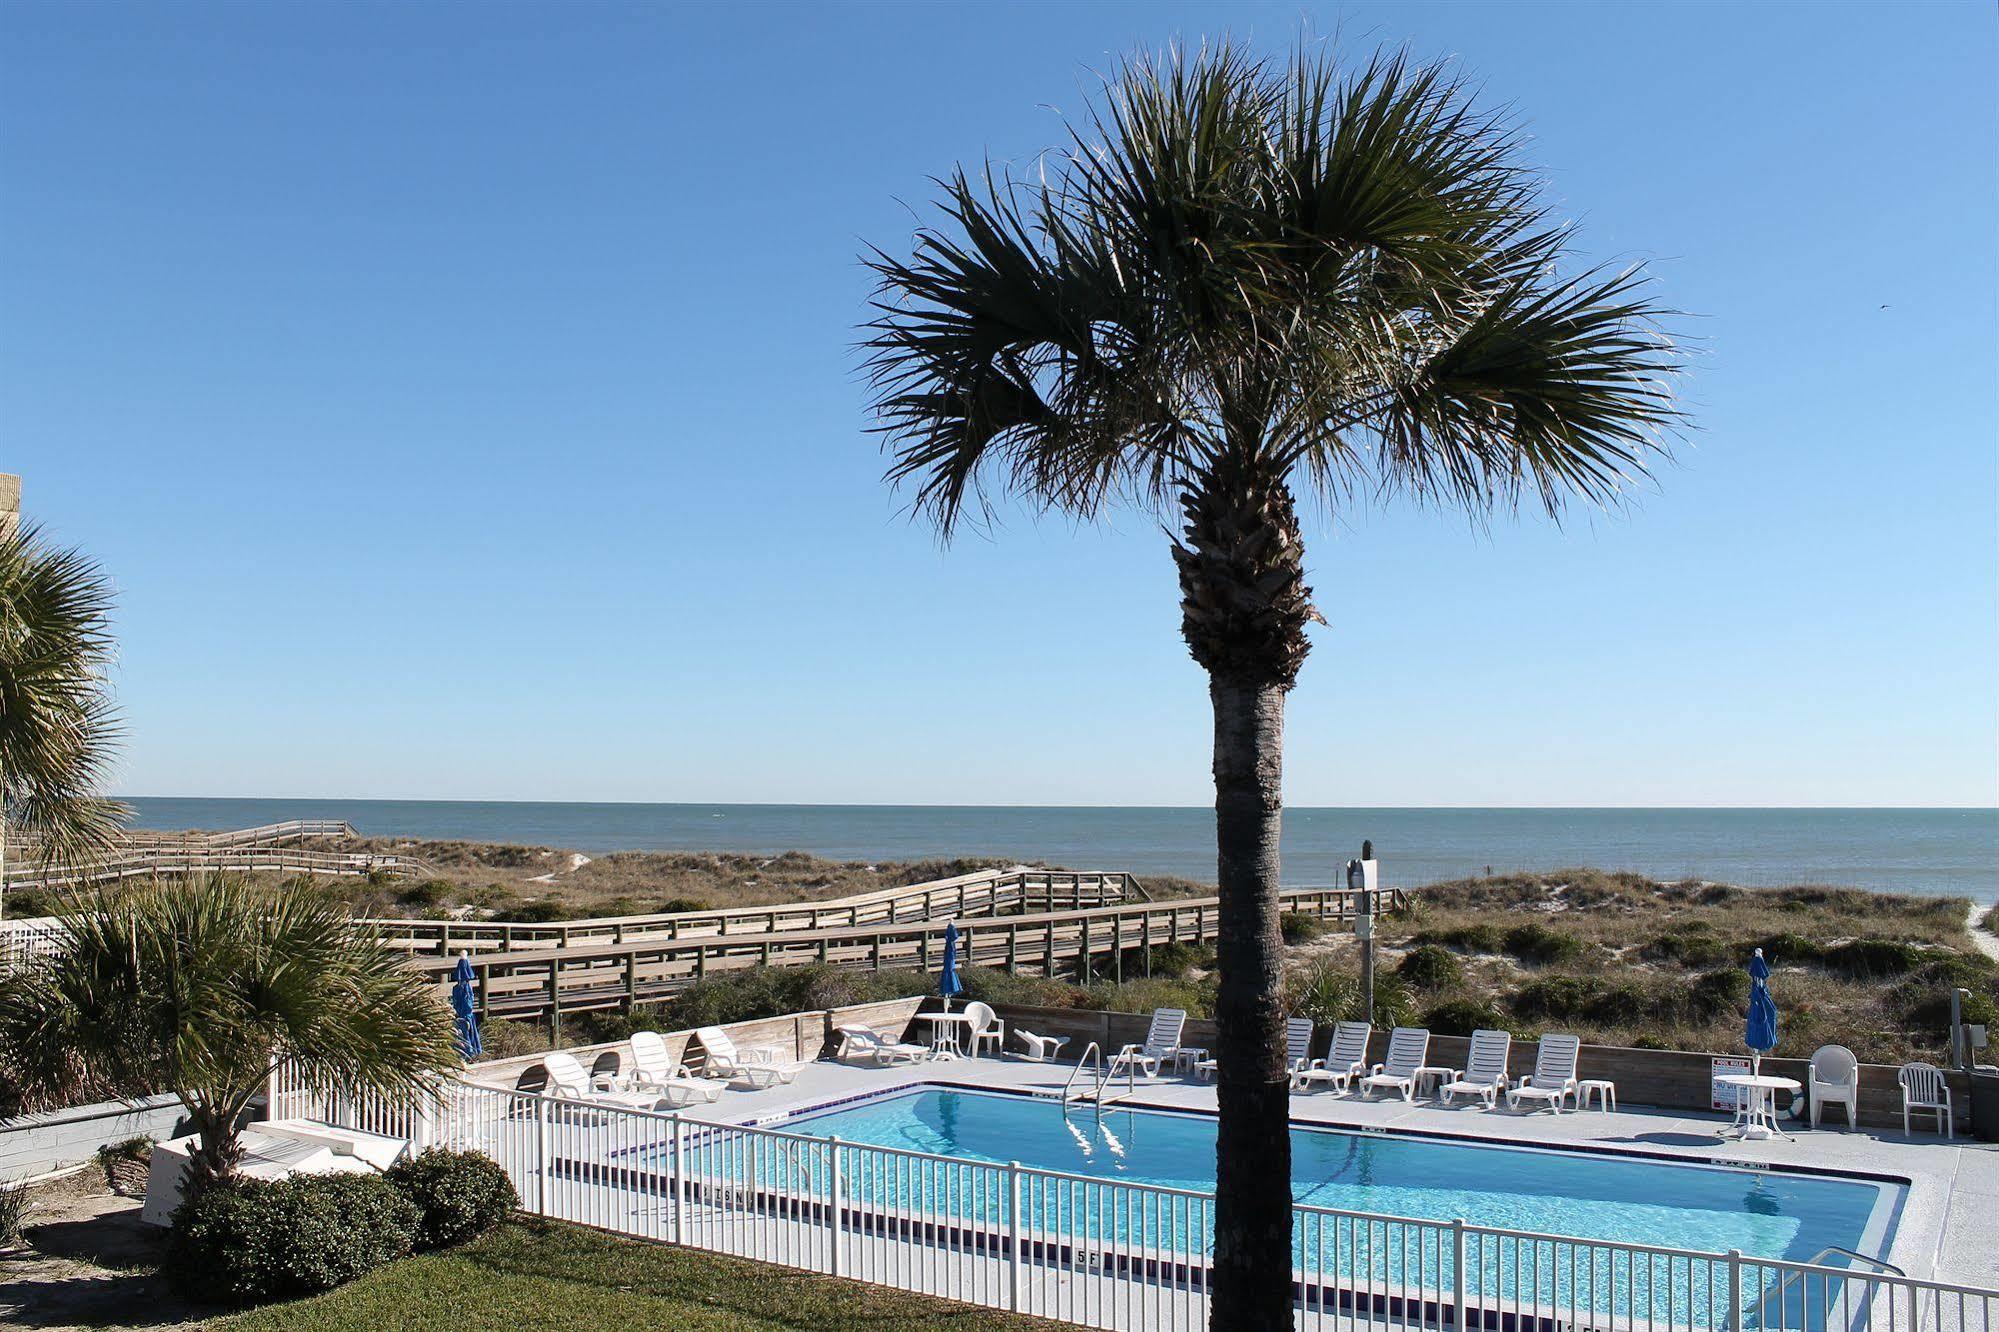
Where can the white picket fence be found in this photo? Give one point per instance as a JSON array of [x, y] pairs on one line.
[[1107, 1253], [27, 938]]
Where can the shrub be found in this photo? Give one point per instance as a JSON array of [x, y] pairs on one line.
[[426, 893], [1618, 1005], [1557, 998], [1461, 1017], [1328, 991], [540, 911], [675, 905], [1535, 942], [13, 1206], [1690, 946], [1174, 959], [247, 1241], [1430, 968], [1871, 959], [1142, 996], [1786, 949], [25, 902], [1298, 928], [993, 986], [1463, 938], [458, 1195], [1716, 993]]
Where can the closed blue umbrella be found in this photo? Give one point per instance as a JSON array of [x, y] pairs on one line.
[[1760, 1032], [464, 1013], [948, 983]]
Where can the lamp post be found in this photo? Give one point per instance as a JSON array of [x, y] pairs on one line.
[[1364, 877]]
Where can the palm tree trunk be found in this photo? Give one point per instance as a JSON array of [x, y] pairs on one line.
[[1252, 1286]]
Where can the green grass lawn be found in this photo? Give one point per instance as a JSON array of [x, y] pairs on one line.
[[548, 1275]]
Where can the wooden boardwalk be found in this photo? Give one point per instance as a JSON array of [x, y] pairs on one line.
[[274, 848], [1094, 943]]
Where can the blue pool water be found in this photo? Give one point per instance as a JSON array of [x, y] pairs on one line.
[[1592, 1195]]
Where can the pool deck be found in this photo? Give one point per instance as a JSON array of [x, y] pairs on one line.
[[1945, 1230]]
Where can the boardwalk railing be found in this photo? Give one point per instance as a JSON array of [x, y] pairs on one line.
[[271, 847], [1108, 1253], [1090, 944], [984, 893], [173, 861]]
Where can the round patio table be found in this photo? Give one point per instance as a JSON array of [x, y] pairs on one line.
[[1758, 1118]]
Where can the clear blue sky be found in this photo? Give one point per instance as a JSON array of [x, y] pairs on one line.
[[462, 397]]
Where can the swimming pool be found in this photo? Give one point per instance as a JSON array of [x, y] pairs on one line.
[[1593, 1195]]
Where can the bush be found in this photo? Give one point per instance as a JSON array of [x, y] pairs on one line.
[[1463, 938], [1714, 994], [673, 906], [1786, 949], [1537, 943], [1872, 959], [1174, 959], [1461, 1017], [13, 1206], [1430, 967], [1690, 946], [540, 911], [427, 893], [1197, 998], [1328, 992], [458, 1195], [1556, 998], [250, 1240], [1298, 928]]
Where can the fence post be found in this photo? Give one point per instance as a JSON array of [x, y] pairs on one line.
[[1735, 1289], [679, 1179], [541, 1156], [1458, 1273], [1013, 1236], [838, 1204]]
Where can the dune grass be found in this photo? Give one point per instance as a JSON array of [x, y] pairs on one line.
[[546, 1275]]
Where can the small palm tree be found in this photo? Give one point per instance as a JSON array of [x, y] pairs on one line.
[[56, 721], [1244, 277], [201, 986]]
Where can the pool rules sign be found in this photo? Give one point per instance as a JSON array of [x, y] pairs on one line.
[[1725, 1066]]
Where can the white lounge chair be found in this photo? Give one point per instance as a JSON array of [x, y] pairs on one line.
[[1346, 1060], [755, 1066], [1554, 1077], [567, 1081], [1039, 1049], [655, 1069], [863, 1043], [1834, 1076], [1408, 1047], [1298, 1049], [1923, 1089], [1484, 1074], [1162, 1044]]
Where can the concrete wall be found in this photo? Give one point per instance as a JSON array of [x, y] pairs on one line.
[[1667, 1079], [36, 1144], [803, 1036]]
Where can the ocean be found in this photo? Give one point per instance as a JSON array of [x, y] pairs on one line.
[[1938, 852]]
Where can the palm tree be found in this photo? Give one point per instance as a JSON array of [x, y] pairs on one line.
[[1241, 277], [200, 986], [56, 722]]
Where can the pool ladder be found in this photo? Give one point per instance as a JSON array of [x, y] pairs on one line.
[[1098, 1085]]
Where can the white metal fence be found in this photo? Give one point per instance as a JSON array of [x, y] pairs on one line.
[[30, 937], [1107, 1253]]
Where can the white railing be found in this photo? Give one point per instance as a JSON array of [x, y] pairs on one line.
[[24, 940], [1113, 1254]]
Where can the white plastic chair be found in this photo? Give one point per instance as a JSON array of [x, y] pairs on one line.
[[1037, 1049], [1554, 1077], [1408, 1047], [654, 1068], [1346, 1060], [1834, 1076], [1162, 1043], [1484, 1074], [1923, 1088], [757, 1066], [986, 1027], [858, 1043]]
